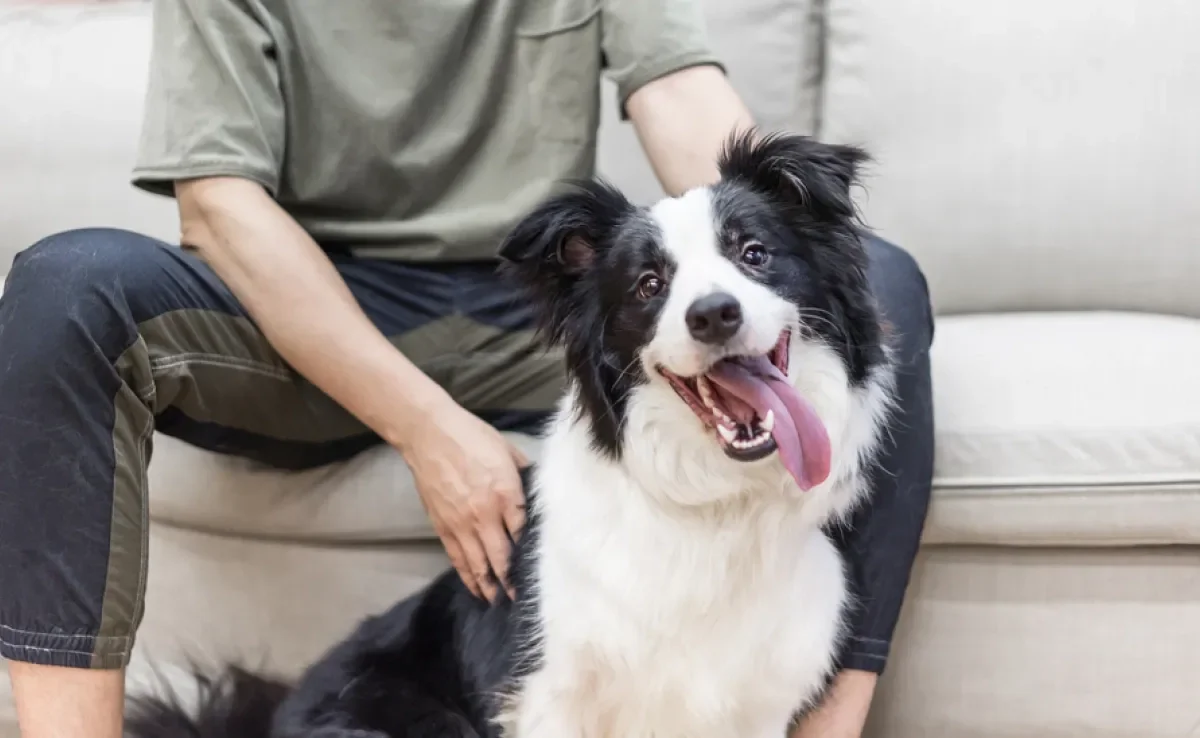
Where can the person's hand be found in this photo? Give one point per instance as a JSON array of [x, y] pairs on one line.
[[467, 475]]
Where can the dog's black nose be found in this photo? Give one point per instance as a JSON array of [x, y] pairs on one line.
[[714, 318]]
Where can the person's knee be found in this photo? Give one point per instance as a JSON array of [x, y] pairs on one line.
[[903, 294], [78, 275], [89, 256]]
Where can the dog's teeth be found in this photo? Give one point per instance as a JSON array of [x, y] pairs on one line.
[[768, 423], [705, 391], [729, 434]]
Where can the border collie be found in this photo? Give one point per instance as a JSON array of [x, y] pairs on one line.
[[729, 381]]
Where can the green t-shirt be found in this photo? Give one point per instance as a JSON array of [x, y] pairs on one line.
[[404, 129]]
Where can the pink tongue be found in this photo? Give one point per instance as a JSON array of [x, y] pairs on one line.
[[801, 437]]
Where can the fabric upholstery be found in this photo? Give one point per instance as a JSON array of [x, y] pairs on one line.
[[1066, 429], [1045, 643], [278, 603], [369, 499], [1032, 154], [994, 642], [71, 84]]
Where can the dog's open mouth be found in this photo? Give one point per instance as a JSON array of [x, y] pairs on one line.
[[754, 411]]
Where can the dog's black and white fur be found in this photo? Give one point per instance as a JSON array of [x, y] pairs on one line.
[[669, 584]]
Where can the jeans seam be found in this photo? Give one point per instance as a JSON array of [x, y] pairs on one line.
[[143, 569], [864, 639], [123, 651], [228, 362]]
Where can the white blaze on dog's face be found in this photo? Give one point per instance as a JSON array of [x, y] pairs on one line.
[[731, 296], [713, 308], [679, 321]]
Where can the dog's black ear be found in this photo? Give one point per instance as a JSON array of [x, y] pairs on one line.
[[553, 242], [795, 170], [561, 238], [554, 248]]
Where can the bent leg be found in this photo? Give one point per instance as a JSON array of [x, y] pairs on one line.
[[881, 541], [104, 336]]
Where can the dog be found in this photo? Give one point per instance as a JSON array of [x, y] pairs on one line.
[[730, 380]]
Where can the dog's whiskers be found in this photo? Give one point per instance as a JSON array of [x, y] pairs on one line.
[[825, 317]]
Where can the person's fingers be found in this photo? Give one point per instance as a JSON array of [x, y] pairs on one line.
[[499, 552], [477, 563], [511, 500], [514, 517], [458, 560], [518, 455]]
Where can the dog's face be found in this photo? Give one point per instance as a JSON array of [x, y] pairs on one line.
[[698, 301]]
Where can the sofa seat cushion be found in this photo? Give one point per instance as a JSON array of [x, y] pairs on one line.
[[370, 498], [1067, 429], [1054, 429]]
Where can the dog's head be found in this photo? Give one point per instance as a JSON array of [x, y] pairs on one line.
[[686, 316]]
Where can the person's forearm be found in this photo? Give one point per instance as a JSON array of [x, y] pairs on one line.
[[302, 305], [684, 121]]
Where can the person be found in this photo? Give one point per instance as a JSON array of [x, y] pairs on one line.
[[344, 174]]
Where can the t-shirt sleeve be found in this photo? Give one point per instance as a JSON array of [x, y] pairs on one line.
[[647, 39], [213, 104]]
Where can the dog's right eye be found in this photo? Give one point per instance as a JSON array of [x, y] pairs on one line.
[[753, 254], [649, 286]]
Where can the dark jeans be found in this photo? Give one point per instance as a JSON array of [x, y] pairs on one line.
[[108, 336]]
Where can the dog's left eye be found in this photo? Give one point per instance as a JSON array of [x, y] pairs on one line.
[[649, 286], [753, 254]]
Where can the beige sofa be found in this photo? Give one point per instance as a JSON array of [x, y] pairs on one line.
[[1040, 157]]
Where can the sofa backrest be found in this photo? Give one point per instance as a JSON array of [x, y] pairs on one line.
[[72, 78], [772, 50], [1033, 154], [71, 85]]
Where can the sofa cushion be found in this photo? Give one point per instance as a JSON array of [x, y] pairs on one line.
[[1045, 643], [1067, 429], [369, 498], [1033, 154], [1052, 429]]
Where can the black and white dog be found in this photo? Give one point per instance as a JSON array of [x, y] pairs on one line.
[[730, 380]]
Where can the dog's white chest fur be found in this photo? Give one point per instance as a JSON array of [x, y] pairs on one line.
[[664, 623]]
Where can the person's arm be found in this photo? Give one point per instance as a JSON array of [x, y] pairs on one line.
[[302, 305], [466, 471], [213, 136], [683, 121], [672, 87], [684, 111]]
